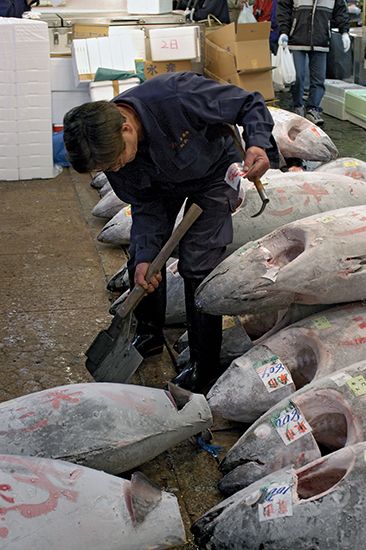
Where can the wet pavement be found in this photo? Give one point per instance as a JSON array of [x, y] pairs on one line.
[[53, 302]]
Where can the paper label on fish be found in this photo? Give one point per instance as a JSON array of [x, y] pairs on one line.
[[276, 501], [322, 323], [290, 424], [234, 175], [340, 378], [273, 373], [128, 211], [357, 385]]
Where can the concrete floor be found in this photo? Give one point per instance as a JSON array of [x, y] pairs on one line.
[[53, 302]]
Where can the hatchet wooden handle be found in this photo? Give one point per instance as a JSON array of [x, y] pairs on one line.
[[138, 292]]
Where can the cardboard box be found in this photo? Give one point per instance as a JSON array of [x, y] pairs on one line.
[[90, 31], [227, 62], [153, 68], [149, 6], [260, 81], [174, 43], [249, 44]]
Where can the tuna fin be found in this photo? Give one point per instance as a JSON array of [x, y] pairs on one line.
[[145, 496], [181, 396]]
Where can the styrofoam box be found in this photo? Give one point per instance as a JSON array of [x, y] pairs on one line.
[[42, 139], [9, 150], [338, 88], [32, 88], [33, 75], [62, 76], [8, 137], [34, 113], [6, 89], [36, 59], [34, 148], [135, 38], [149, 6], [7, 114], [9, 174], [104, 90], [7, 75], [356, 120], [334, 107], [34, 161], [7, 55], [34, 100], [43, 125], [174, 43], [30, 173], [62, 102], [8, 162], [8, 102]]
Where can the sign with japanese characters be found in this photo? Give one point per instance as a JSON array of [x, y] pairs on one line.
[[273, 373], [290, 424], [357, 385]]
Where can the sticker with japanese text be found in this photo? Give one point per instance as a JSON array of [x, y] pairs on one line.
[[322, 323], [357, 385], [327, 219], [348, 163], [290, 424], [340, 378], [128, 211], [228, 322], [273, 373], [276, 501]]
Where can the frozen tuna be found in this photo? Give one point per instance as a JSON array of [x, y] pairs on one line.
[[326, 415], [345, 166], [111, 427], [319, 506], [298, 137], [118, 230], [99, 180], [105, 189], [52, 504], [108, 206], [286, 361], [317, 260], [293, 196]]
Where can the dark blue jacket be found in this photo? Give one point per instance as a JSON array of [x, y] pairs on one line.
[[13, 8], [184, 145]]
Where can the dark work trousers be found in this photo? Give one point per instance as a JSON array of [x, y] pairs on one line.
[[200, 250]]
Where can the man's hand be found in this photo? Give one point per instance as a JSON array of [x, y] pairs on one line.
[[256, 163], [140, 274]]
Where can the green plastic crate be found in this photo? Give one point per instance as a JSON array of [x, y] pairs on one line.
[[355, 103]]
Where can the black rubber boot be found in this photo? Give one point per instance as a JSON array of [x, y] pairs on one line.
[[150, 316], [204, 337]]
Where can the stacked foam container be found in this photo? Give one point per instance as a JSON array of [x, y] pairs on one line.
[[333, 102], [25, 104]]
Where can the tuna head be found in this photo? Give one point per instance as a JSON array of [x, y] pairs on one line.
[[118, 230], [316, 506], [317, 259], [320, 418], [243, 282], [298, 137]]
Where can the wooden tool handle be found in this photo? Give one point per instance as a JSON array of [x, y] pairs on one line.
[[259, 186], [137, 293]]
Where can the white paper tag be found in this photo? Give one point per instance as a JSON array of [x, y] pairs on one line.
[[234, 174], [340, 378], [273, 373], [276, 501], [290, 424]]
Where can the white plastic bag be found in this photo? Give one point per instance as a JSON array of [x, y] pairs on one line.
[[246, 14], [284, 74]]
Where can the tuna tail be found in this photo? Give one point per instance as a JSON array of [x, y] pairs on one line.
[[145, 496]]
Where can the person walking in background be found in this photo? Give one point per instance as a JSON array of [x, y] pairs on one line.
[[305, 26]]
